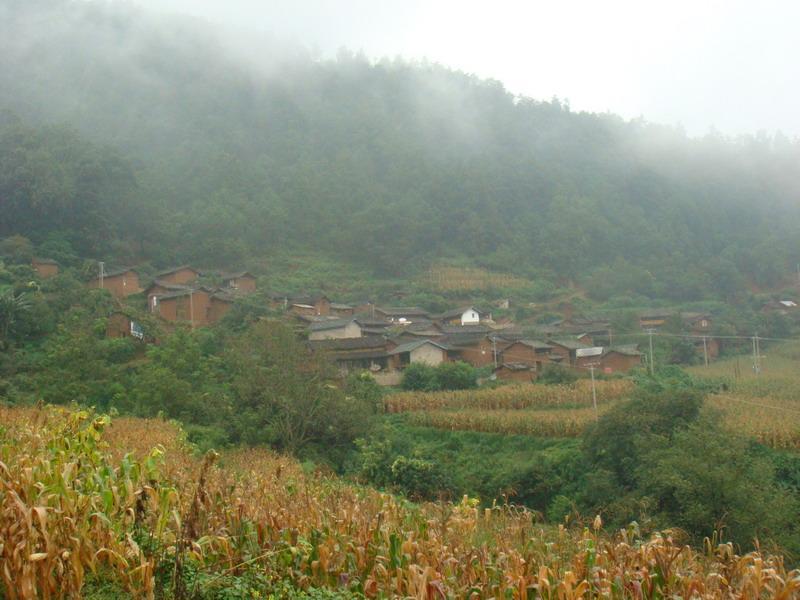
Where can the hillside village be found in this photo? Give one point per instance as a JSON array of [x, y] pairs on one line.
[[384, 340]]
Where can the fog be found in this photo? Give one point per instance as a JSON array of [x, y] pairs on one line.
[[726, 65]]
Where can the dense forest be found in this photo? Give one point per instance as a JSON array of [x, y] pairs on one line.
[[157, 140]]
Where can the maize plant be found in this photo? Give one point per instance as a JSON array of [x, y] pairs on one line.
[[72, 504]]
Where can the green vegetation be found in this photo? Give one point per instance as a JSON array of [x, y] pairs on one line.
[[421, 377]]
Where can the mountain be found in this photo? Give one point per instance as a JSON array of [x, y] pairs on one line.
[[176, 141]]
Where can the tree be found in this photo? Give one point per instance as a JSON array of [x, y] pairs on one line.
[[420, 377], [456, 376], [12, 308]]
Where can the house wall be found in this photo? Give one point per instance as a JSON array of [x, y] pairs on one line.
[[181, 276], [217, 309], [120, 286], [481, 354], [564, 353], [343, 312], [351, 330], [45, 270], [470, 317], [323, 306], [614, 362], [182, 308], [428, 354], [245, 285], [118, 326]]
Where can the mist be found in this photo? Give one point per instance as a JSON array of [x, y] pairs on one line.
[[725, 66]]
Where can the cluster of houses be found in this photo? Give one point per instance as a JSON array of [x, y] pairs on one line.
[[385, 339]]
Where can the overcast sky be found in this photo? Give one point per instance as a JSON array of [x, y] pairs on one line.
[[733, 65]]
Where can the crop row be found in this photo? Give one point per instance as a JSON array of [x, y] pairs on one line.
[[510, 397]]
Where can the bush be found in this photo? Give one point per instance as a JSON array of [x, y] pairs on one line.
[[557, 375], [417, 478], [456, 376], [419, 377]]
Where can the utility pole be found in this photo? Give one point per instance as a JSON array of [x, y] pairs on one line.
[[102, 276], [191, 308], [650, 333], [594, 392], [705, 350], [494, 351], [758, 353], [755, 356]]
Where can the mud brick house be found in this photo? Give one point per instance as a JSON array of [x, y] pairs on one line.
[[178, 275], [655, 319], [515, 371], [120, 282], [159, 288], [197, 307], [567, 348], [242, 282], [425, 351], [612, 359], [355, 354], [479, 350], [120, 325], [342, 310], [310, 305], [334, 329], [530, 352], [45, 267]]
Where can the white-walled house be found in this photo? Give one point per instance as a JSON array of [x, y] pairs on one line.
[[468, 315]]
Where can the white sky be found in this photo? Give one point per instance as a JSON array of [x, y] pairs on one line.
[[733, 65]]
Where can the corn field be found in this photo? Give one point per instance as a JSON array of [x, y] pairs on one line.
[[542, 423], [73, 508], [510, 397]]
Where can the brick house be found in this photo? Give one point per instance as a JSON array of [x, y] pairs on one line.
[[400, 314], [198, 307], [44, 267], [342, 310], [479, 350], [613, 359], [530, 352], [567, 348], [310, 305], [179, 275], [120, 282], [356, 354], [120, 325], [242, 282], [515, 371]]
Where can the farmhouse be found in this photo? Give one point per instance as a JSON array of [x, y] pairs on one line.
[[310, 305], [479, 350], [242, 282], [355, 354], [179, 275], [613, 359], [45, 267], [342, 310], [530, 352], [120, 325], [198, 307], [420, 351], [567, 348], [120, 282], [334, 329]]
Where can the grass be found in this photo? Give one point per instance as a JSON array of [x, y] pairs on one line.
[[81, 497]]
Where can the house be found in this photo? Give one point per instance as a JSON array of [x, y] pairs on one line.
[[45, 267], [696, 323], [355, 354], [198, 307], [399, 314], [612, 359], [179, 275], [531, 352], [655, 319], [462, 316], [479, 350], [334, 329], [515, 371], [567, 348], [342, 310], [159, 288], [426, 351], [781, 307], [120, 325], [371, 326], [120, 282], [242, 282], [310, 305]]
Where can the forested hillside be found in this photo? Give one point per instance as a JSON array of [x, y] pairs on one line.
[[152, 140]]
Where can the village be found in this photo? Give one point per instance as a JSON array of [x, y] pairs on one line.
[[384, 340]]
